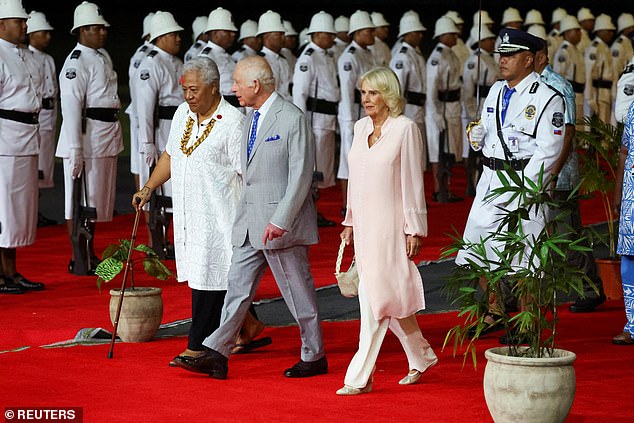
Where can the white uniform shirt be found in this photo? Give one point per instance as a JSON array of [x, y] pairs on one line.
[[50, 90], [622, 53], [242, 52], [88, 78], [225, 64], [194, 50], [206, 188], [409, 66], [381, 52], [585, 41], [598, 67], [443, 73], [281, 72], [133, 67], [20, 90], [624, 92], [461, 51], [290, 58], [338, 48], [354, 62], [315, 76], [488, 75], [554, 42]]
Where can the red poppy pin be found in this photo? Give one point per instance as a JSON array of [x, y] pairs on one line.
[[219, 116]]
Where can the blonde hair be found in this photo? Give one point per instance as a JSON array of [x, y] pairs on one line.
[[385, 81]]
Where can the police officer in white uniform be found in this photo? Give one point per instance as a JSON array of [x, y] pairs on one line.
[[599, 70], [624, 93], [88, 88], [442, 108], [380, 49], [222, 32], [355, 60], [271, 30], [251, 44], [20, 103], [133, 67], [199, 25], [409, 66], [342, 39], [586, 20], [622, 50], [568, 60]]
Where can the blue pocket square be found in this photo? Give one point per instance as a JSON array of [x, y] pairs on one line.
[[273, 138]]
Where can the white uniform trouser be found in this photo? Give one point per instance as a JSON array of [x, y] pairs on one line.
[[454, 134], [135, 158], [418, 351], [346, 130], [325, 155], [101, 175], [46, 158], [18, 200]]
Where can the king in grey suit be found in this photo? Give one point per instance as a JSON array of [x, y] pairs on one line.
[[275, 223]]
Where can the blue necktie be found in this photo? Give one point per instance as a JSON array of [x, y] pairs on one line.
[[505, 100], [254, 129]]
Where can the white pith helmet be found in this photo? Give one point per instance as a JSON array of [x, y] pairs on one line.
[[304, 38], [485, 33], [342, 24], [270, 22], [163, 23], [486, 18], [289, 30], [625, 20], [603, 21], [378, 19], [453, 15], [410, 23], [198, 26], [87, 14], [146, 24], [321, 22], [37, 22], [558, 15], [537, 30], [445, 25], [220, 20], [249, 28], [360, 20], [584, 14], [534, 17], [12, 9], [511, 14], [568, 23]]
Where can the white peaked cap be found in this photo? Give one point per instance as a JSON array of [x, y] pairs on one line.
[[289, 30], [360, 20], [625, 20], [270, 22], [342, 24], [445, 25], [12, 9], [321, 22], [584, 14], [409, 23], [87, 14], [249, 28], [537, 30], [558, 15], [511, 14], [163, 23], [568, 23], [603, 21], [454, 16], [37, 22], [378, 19], [533, 17], [220, 20], [486, 18], [199, 26], [146, 24], [485, 33]]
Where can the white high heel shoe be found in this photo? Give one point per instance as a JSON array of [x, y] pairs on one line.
[[414, 375], [349, 390]]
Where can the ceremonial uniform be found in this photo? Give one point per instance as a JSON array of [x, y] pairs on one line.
[[568, 62], [533, 132], [461, 51], [47, 117], [226, 65], [20, 103], [354, 62], [381, 52], [291, 59], [338, 48], [585, 41], [624, 92], [194, 50], [442, 108], [88, 87], [316, 93], [622, 53], [599, 80], [135, 61], [242, 52], [281, 71], [554, 42], [158, 95]]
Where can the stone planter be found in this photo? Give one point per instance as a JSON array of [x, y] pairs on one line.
[[141, 313], [521, 389]]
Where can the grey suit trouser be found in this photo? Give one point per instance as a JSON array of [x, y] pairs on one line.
[[291, 270]]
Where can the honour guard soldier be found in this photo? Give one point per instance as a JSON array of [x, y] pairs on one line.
[[568, 60], [586, 20], [39, 31], [271, 30], [622, 50], [221, 32], [135, 61], [442, 108], [380, 50], [460, 49], [484, 17], [554, 36], [624, 93], [291, 41], [342, 39], [355, 60], [599, 70], [251, 44], [90, 136], [200, 37], [396, 47], [20, 103], [409, 66]]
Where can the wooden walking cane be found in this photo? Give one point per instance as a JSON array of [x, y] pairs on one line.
[[125, 276]]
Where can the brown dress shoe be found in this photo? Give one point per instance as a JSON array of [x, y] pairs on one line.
[[623, 338]]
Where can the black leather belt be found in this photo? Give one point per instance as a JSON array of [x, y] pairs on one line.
[[449, 96], [499, 164], [48, 103], [484, 91], [357, 96], [578, 87], [103, 114], [22, 117], [417, 99], [166, 112], [318, 105], [232, 99], [601, 83]]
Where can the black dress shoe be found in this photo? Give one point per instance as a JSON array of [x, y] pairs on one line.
[[43, 221], [495, 326], [587, 305], [322, 222], [10, 287], [211, 362], [90, 272], [308, 368], [26, 284]]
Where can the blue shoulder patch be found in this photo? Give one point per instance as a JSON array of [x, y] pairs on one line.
[[75, 54]]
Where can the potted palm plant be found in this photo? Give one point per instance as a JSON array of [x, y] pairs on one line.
[[530, 379]]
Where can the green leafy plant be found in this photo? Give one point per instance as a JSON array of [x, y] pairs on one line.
[[114, 258], [533, 266]]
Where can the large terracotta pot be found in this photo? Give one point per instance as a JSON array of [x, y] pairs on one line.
[[521, 389], [610, 272], [141, 313]]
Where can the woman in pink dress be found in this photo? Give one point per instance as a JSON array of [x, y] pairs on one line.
[[387, 214]]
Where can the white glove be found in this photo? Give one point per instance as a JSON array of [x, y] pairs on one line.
[[440, 122], [76, 162], [475, 134], [150, 152]]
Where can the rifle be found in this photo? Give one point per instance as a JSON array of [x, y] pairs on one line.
[[474, 160], [83, 229], [446, 160], [159, 223]]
